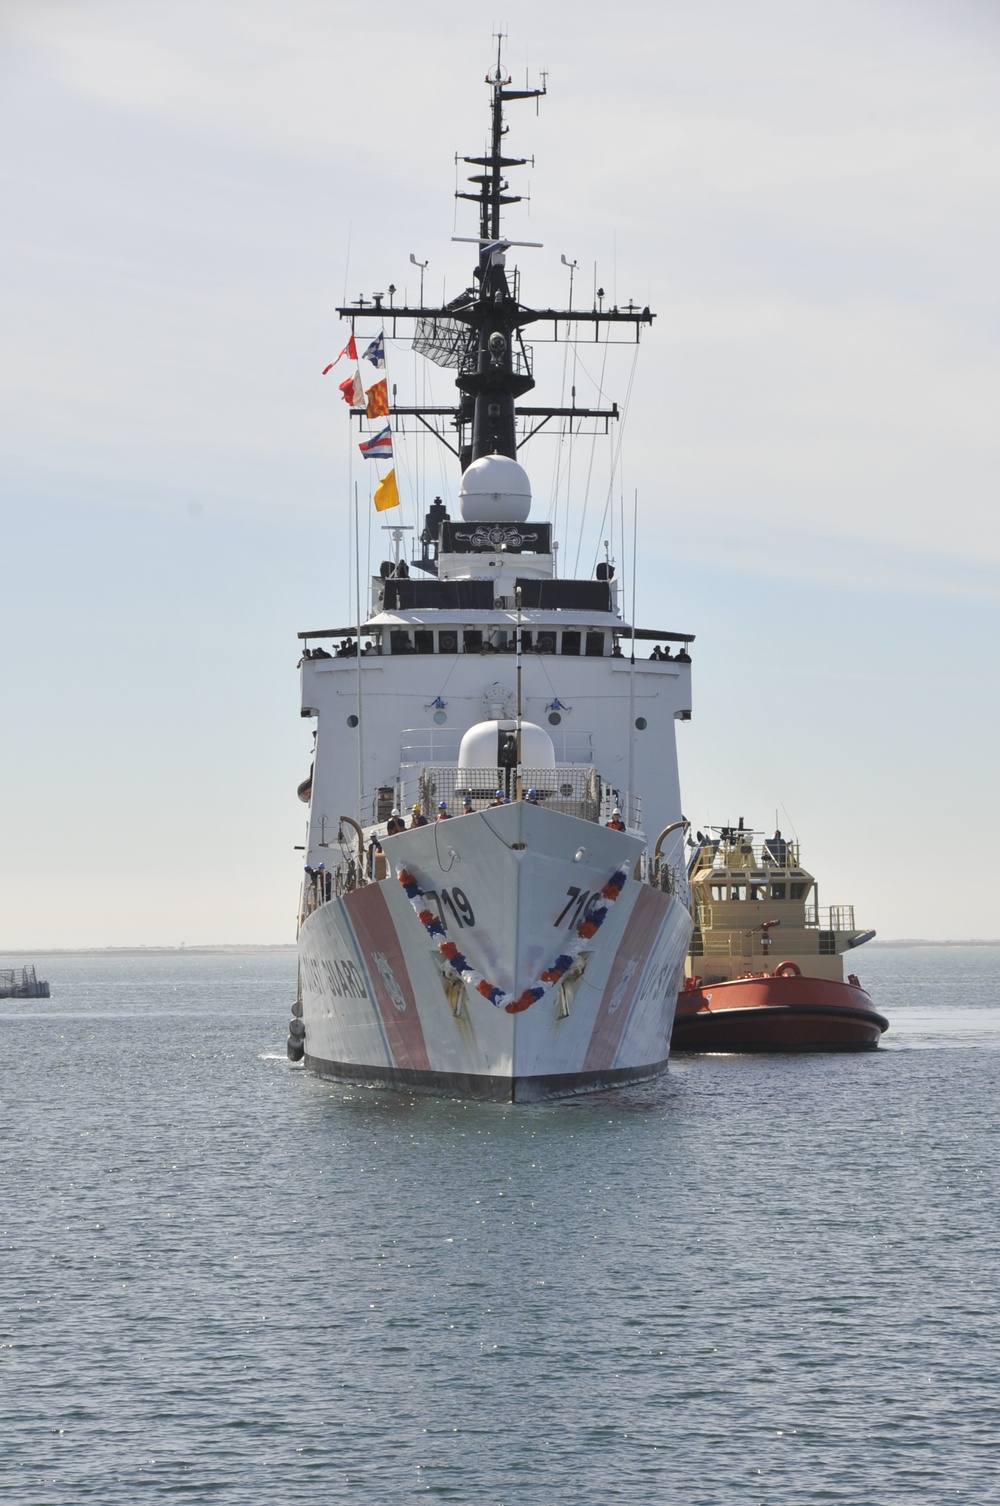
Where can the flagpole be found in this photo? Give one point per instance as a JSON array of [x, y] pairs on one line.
[[520, 781], [361, 725], [631, 673]]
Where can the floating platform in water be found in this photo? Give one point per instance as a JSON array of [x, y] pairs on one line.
[[21, 983]]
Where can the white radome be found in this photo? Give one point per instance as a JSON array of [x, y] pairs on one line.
[[495, 489], [478, 748]]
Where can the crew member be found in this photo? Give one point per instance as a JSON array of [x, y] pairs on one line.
[[499, 799], [531, 797], [417, 818], [616, 823], [443, 812], [467, 806], [395, 824]]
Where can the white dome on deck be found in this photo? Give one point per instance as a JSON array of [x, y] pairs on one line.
[[495, 489], [478, 748]]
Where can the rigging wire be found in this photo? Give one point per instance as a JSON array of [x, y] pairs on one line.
[[618, 446], [586, 495]]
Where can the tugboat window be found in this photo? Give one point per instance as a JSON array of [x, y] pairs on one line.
[[739, 891], [777, 891]]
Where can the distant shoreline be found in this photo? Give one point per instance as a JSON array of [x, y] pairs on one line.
[[222, 948], [147, 951]]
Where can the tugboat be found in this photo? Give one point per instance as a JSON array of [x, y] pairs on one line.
[[495, 902], [743, 889]]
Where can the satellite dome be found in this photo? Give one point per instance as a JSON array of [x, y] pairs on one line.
[[479, 748], [495, 489]]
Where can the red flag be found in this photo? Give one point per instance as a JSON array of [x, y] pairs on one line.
[[350, 349], [378, 399], [353, 391]]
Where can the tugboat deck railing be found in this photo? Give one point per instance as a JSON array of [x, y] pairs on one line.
[[718, 932]]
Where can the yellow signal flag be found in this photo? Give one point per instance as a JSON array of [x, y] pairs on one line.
[[378, 399], [387, 492]]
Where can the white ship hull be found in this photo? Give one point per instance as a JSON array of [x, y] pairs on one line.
[[513, 886]]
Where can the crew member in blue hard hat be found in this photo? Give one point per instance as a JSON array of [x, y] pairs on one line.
[[499, 799], [467, 806], [532, 797], [443, 812]]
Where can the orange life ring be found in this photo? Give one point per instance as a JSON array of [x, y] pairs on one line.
[[691, 984], [788, 970]]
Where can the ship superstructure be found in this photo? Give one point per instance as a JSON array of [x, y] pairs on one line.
[[495, 900]]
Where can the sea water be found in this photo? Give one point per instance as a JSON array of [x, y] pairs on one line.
[[757, 1280]]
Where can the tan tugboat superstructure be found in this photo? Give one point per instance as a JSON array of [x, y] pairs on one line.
[[765, 969]]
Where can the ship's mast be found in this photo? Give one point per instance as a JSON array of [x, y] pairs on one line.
[[496, 381], [482, 326]]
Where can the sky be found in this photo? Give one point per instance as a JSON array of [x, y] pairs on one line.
[[805, 193]]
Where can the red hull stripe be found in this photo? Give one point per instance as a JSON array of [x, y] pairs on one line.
[[633, 952], [385, 966]]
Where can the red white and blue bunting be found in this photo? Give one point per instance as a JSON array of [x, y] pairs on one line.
[[594, 917]]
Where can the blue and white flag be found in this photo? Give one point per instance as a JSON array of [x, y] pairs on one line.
[[379, 446], [376, 350]]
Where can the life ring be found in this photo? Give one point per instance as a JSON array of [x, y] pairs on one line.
[[788, 970], [692, 984]]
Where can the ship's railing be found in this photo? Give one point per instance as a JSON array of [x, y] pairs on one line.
[[828, 919], [573, 789], [329, 882], [715, 852], [440, 745], [429, 745], [631, 810]]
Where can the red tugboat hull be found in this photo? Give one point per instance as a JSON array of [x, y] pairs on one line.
[[780, 1011]]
